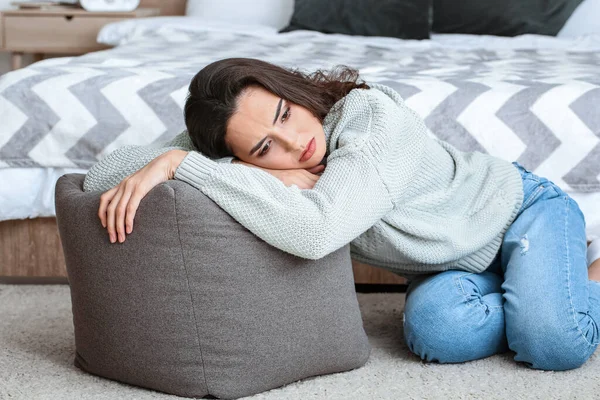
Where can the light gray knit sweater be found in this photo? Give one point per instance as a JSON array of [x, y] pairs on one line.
[[404, 200]]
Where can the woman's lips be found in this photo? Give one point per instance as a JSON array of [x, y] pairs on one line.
[[310, 150]]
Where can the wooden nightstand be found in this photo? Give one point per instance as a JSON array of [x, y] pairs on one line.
[[64, 30]]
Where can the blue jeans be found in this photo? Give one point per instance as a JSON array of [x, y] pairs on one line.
[[534, 299]]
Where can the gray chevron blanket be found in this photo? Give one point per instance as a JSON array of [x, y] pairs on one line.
[[537, 107]]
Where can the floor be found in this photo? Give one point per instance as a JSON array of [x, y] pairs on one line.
[[37, 348]]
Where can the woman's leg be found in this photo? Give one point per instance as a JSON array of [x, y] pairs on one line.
[[455, 316], [551, 309]]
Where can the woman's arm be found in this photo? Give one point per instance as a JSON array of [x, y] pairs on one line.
[[347, 200], [118, 205], [126, 160]]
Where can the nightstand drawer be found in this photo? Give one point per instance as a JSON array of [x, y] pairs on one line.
[[61, 34]]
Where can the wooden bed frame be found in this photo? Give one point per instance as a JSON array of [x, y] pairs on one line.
[[31, 251]]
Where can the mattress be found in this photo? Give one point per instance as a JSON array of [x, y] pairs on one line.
[[492, 94]]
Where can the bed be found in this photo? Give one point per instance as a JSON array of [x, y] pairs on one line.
[[530, 98]]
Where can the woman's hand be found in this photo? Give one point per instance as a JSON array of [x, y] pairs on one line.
[[119, 204], [299, 177], [303, 178]]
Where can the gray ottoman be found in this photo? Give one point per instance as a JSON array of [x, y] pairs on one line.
[[194, 304]]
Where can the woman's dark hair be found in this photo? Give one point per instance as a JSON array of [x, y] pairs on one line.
[[213, 94]]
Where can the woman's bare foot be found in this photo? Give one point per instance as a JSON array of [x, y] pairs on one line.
[[594, 271]]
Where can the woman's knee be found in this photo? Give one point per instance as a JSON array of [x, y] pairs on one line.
[[548, 346], [455, 316]]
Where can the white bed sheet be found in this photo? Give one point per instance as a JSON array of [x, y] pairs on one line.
[[29, 192]]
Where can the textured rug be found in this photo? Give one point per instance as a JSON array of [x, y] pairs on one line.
[[37, 349]]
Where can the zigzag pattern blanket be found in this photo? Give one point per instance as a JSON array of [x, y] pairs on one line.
[[537, 107]]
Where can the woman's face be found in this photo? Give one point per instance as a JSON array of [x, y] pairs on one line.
[[270, 132]]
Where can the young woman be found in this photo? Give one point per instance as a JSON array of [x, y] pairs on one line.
[[495, 255]]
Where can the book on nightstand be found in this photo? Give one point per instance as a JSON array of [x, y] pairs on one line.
[[45, 5]]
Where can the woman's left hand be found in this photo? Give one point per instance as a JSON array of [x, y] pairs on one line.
[[119, 204]]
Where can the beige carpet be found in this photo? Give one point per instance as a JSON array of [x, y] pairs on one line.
[[37, 347]]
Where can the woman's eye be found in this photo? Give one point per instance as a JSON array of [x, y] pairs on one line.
[[286, 114], [265, 149], [285, 117]]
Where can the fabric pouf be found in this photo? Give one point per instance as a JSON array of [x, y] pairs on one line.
[[194, 304]]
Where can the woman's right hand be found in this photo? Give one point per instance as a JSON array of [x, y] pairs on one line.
[[299, 177], [119, 205]]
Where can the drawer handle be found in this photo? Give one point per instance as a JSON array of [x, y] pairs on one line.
[[68, 17]]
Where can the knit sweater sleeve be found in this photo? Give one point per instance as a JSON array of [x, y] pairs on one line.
[[124, 161], [348, 199]]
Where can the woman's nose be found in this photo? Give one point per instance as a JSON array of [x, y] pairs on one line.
[[292, 143]]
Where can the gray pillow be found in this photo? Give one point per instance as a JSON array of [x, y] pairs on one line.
[[405, 19], [502, 18], [194, 304]]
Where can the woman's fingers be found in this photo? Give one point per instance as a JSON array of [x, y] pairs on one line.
[[118, 206], [105, 199], [130, 199], [304, 179], [307, 183], [110, 215], [132, 207], [310, 180], [314, 180], [122, 208], [316, 169]]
